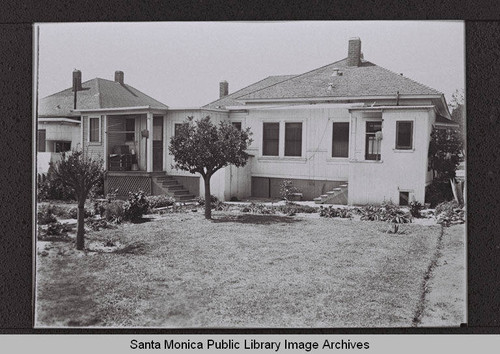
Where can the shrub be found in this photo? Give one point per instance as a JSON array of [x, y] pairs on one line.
[[388, 211], [136, 206], [258, 208], [73, 213], [287, 189], [55, 231], [213, 200], [160, 201], [332, 212], [46, 214], [292, 208], [97, 225], [447, 207], [415, 208], [438, 191], [52, 189]]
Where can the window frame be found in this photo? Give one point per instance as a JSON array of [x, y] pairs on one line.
[[402, 147], [372, 157], [234, 123], [331, 156], [285, 139], [129, 133], [278, 140], [98, 141], [44, 140]]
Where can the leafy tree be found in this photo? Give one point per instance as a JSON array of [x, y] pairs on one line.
[[204, 148], [80, 173], [445, 153], [457, 106]]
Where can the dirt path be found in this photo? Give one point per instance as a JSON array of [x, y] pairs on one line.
[[443, 303]]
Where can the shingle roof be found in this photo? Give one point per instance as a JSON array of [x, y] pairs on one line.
[[231, 100], [366, 80], [96, 94]]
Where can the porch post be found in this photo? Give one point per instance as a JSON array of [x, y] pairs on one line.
[[105, 142], [149, 142], [165, 143]]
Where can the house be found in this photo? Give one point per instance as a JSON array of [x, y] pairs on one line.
[[350, 132]]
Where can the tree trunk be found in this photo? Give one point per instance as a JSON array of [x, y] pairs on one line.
[[208, 201], [80, 241]]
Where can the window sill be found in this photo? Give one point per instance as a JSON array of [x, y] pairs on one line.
[[366, 161], [94, 143], [282, 159], [337, 159], [403, 150]]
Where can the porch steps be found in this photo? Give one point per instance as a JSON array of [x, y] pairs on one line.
[[174, 189], [335, 196]]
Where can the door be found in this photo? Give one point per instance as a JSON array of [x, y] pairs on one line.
[[157, 143]]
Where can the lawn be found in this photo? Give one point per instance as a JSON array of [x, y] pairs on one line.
[[239, 270]]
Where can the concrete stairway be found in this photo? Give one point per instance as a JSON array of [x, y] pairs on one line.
[[174, 189], [335, 196]]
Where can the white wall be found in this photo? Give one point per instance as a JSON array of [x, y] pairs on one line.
[[398, 170], [60, 131]]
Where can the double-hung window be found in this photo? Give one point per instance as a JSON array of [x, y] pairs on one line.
[[404, 135], [372, 144], [271, 139], [340, 140], [293, 139], [94, 129]]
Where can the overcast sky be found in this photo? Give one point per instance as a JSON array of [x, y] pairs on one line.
[[181, 64]]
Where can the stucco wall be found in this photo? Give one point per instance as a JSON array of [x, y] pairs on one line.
[[398, 170], [60, 131]]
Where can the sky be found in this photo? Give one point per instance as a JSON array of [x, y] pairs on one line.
[[182, 63]]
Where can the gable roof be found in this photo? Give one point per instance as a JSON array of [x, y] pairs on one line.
[[231, 100], [96, 94], [367, 79]]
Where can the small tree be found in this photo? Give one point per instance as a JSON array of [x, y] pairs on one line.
[[80, 173], [445, 150], [204, 148]]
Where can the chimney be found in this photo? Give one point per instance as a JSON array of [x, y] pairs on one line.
[[119, 76], [354, 52], [223, 89], [77, 80]]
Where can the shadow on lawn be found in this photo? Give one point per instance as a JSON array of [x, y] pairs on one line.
[[256, 219]]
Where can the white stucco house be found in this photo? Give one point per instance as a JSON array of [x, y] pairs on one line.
[[349, 132]]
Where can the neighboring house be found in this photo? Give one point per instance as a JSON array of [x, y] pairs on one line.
[[348, 132]]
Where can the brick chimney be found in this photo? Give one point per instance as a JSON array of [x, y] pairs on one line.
[[354, 52], [223, 89], [119, 76], [77, 80]]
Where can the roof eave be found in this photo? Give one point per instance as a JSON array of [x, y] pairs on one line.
[[136, 108], [337, 98]]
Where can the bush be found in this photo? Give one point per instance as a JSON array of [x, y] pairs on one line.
[[287, 189], [136, 206], [449, 213], [292, 208], [213, 200], [55, 231], [97, 225], [438, 191], [52, 189], [46, 214], [332, 212], [258, 209], [415, 208], [160, 201], [388, 211]]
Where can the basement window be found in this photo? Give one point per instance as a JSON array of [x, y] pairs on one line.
[[404, 198]]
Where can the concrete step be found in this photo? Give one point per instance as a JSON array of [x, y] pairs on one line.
[[318, 200], [343, 186], [173, 187], [180, 192], [185, 197], [323, 196], [168, 181]]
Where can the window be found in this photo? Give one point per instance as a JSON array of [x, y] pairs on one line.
[[177, 126], [340, 140], [271, 139], [372, 144], [404, 135], [293, 139], [41, 140], [94, 129], [237, 125], [130, 129], [62, 146]]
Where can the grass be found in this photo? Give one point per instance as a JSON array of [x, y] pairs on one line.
[[239, 270]]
